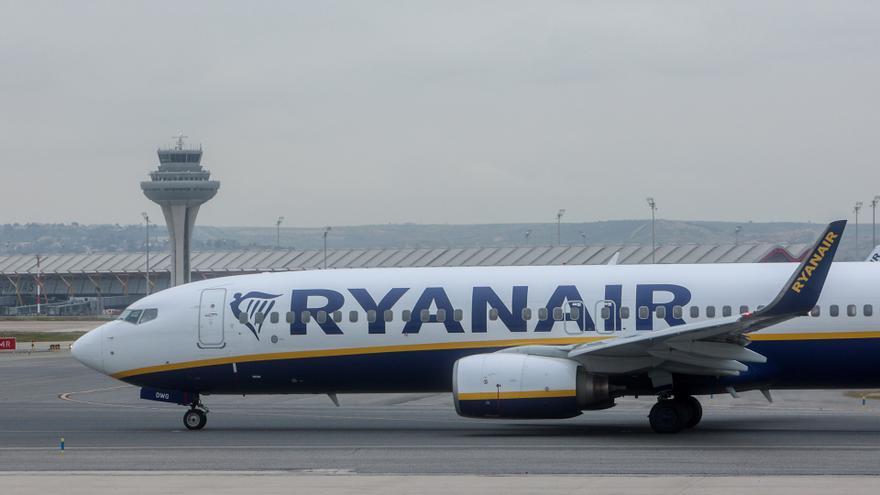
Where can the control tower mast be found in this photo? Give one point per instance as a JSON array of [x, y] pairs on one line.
[[180, 186]]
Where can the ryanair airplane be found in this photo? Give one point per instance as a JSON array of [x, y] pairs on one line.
[[508, 342]]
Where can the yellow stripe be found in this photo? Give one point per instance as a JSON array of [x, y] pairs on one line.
[[532, 394], [356, 351]]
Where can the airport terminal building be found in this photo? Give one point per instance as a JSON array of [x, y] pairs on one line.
[[73, 284]]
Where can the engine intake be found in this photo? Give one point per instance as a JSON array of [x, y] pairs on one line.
[[521, 386]]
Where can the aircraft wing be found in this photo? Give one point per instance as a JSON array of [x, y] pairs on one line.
[[715, 347]]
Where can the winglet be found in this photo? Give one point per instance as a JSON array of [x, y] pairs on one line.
[[802, 291]]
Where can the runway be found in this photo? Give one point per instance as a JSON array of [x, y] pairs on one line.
[[107, 428]]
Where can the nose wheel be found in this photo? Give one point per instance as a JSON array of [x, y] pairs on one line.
[[196, 417]]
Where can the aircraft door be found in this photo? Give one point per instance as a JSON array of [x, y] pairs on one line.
[[606, 316], [574, 320], [211, 311]]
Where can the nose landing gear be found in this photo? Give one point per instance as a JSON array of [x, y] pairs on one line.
[[196, 417]]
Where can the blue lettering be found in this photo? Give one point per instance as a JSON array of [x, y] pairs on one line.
[[560, 296], [645, 297], [437, 296], [483, 297], [299, 303], [368, 303]]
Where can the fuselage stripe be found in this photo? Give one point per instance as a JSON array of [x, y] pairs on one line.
[[451, 345], [526, 394]]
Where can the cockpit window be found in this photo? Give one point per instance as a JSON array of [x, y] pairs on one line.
[[149, 314], [137, 316], [132, 315]]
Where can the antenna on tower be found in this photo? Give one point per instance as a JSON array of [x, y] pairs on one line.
[[179, 137]]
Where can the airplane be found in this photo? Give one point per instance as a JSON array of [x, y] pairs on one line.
[[522, 342]]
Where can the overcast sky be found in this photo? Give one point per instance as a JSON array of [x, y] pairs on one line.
[[344, 113]]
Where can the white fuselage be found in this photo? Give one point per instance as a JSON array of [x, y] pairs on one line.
[[301, 327]]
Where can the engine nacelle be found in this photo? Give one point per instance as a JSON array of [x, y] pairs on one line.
[[521, 386]]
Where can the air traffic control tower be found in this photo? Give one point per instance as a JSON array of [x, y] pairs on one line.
[[180, 186]]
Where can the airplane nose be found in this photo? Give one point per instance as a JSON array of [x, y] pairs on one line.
[[88, 349]]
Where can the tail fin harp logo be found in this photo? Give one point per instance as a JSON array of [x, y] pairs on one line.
[[253, 304]]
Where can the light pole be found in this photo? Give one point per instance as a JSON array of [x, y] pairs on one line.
[[326, 231], [874, 221], [147, 250], [653, 205], [528, 233], [736, 235], [584, 237], [278, 232], [559, 226], [39, 284], [856, 209]]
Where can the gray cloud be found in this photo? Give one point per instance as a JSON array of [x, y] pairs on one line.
[[375, 112]]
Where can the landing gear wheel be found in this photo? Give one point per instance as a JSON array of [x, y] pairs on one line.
[[195, 419], [696, 411], [668, 416]]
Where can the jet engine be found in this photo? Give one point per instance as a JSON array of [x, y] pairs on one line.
[[521, 386]]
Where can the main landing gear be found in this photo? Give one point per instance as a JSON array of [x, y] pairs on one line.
[[671, 415], [196, 417]]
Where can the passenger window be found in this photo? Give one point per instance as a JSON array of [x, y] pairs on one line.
[[424, 315], [643, 312], [259, 317], [149, 315], [833, 310], [624, 312], [242, 318], [868, 309], [441, 315], [458, 315], [371, 316], [406, 315], [710, 311], [575, 313], [661, 311], [389, 315], [743, 309], [527, 314], [676, 312], [816, 311], [557, 314], [288, 317], [133, 316], [851, 310], [337, 316], [321, 317], [305, 317], [353, 316], [493, 314], [726, 311], [542, 314], [605, 313], [273, 317], [695, 311]]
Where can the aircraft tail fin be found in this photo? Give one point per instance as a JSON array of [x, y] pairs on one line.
[[875, 255], [802, 290]]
